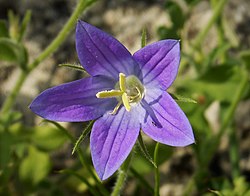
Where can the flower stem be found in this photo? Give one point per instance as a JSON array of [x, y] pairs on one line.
[[122, 174], [156, 169], [52, 47]]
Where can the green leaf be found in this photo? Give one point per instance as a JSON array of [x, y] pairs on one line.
[[3, 29], [13, 52], [144, 38], [73, 66], [240, 187], [24, 25], [6, 142], [44, 137], [13, 25], [144, 150], [177, 16], [245, 57], [48, 138], [83, 179], [35, 167], [8, 50], [9, 118], [216, 192], [218, 82], [180, 98], [195, 114], [85, 132], [142, 166], [167, 33], [230, 33]]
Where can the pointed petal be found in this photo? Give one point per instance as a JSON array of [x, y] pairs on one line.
[[75, 101], [166, 122], [112, 138], [160, 62], [102, 54]]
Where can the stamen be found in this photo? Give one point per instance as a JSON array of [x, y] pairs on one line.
[[130, 91], [122, 82], [109, 94], [126, 101], [116, 108]]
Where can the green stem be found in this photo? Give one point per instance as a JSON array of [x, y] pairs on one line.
[[156, 169], [122, 174], [81, 6]]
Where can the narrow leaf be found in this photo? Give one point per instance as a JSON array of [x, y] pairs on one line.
[[216, 192], [182, 99], [145, 151], [24, 24], [230, 33], [82, 136], [144, 37], [73, 66], [13, 25]]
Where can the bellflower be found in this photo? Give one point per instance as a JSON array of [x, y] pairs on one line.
[[125, 93]]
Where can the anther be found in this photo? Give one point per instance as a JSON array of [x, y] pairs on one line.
[[109, 94]]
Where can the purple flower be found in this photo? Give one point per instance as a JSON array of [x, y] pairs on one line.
[[125, 93]]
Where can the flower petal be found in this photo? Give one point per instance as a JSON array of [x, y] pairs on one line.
[[160, 62], [75, 101], [102, 54], [166, 122], [112, 139]]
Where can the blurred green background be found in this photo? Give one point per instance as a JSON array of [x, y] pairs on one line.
[[35, 155]]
